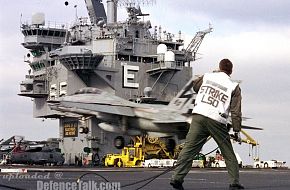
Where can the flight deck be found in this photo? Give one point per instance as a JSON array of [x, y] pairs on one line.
[[34, 177]]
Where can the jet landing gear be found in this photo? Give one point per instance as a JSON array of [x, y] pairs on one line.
[[170, 145], [119, 142]]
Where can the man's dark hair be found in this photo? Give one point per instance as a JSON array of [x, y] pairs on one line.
[[226, 66]]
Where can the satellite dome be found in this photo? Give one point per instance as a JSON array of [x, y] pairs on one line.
[[38, 19], [161, 49], [147, 91], [169, 56]]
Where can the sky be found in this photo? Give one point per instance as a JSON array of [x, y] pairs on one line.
[[253, 34]]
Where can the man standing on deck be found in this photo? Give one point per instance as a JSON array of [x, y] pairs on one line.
[[217, 96]]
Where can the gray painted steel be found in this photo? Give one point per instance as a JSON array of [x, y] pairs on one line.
[[118, 57]]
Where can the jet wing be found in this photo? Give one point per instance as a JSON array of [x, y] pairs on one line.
[[91, 109], [181, 122], [249, 127], [246, 127], [93, 101]]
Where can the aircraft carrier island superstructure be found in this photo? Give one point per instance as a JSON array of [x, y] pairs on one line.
[[123, 58]]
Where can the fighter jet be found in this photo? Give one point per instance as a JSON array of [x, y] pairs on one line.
[[128, 118]]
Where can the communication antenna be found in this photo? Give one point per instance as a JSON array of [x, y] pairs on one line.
[[76, 11], [113, 4], [132, 3]]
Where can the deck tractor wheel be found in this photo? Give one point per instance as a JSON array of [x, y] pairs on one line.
[[118, 162], [266, 165], [170, 145], [138, 163], [119, 142]]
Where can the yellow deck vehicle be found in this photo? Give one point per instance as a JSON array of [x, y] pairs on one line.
[[159, 148], [144, 147], [130, 157]]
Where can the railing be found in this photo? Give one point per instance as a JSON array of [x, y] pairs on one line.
[[167, 65], [49, 24]]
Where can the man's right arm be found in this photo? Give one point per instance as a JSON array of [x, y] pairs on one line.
[[197, 84]]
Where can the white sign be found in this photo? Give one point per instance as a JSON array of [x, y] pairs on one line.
[[127, 77], [59, 90]]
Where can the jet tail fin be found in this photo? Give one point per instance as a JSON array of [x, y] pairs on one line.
[[184, 100]]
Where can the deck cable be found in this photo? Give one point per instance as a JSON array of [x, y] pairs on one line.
[[150, 179]]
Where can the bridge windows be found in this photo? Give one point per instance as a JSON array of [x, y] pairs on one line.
[[37, 66], [136, 58], [44, 32]]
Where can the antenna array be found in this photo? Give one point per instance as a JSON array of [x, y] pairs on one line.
[[135, 2]]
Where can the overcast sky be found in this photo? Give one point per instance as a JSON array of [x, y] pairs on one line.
[[254, 34]]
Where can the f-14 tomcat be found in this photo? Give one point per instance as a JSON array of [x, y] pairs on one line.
[[129, 118]]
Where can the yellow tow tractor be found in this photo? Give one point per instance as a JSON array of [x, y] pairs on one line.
[[144, 147], [130, 157]]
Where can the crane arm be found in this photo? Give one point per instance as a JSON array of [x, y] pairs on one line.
[[192, 48]]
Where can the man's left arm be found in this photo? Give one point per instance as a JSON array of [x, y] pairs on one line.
[[235, 109]]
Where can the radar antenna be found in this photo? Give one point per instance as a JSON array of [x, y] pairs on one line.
[[97, 12]]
